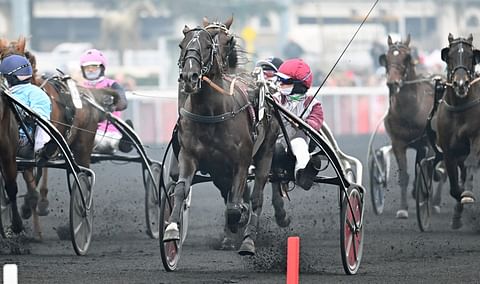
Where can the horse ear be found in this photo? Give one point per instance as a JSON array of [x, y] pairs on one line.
[[21, 44], [470, 38], [445, 53], [450, 37], [229, 22], [185, 30], [389, 41], [3, 43], [382, 59], [476, 56], [407, 41], [205, 21]]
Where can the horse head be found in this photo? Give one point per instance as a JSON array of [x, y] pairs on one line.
[[205, 51], [398, 63], [461, 59]]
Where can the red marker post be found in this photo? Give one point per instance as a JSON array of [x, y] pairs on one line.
[[293, 260]]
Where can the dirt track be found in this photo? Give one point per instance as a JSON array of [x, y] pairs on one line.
[[395, 251]]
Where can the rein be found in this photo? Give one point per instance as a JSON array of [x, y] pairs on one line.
[[217, 87]]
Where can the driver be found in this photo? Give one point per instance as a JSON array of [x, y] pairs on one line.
[[108, 139], [295, 78], [17, 70]]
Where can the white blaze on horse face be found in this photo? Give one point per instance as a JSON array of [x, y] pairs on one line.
[[460, 50], [396, 53], [191, 66]]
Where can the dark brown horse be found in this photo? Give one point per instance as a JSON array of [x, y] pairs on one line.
[[458, 125], [8, 150], [78, 126], [411, 99], [217, 134]]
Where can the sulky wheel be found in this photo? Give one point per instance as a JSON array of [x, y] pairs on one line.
[[378, 181], [81, 214], [152, 206], [424, 192], [170, 251], [351, 229], [5, 209]]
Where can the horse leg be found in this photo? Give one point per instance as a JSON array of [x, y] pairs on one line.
[[29, 207], [42, 206], [472, 164], [401, 156], [187, 169], [10, 175], [263, 163], [455, 191], [277, 201], [440, 177], [224, 184], [236, 209]]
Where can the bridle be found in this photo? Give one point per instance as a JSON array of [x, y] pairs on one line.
[[193, 51], [461, 66], [194, 47], [454, 85], [398, 48]]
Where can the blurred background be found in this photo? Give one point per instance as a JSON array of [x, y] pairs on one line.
[[141, 37]]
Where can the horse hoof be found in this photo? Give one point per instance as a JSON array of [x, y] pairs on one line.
[[467, 197], [284, 222], [42, 207], [436, 209], [247, 248], [227, 244], [402, 214], [172, 233], [26, 211]]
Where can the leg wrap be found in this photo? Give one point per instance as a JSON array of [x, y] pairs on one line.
[[179, 195], [251, 229]]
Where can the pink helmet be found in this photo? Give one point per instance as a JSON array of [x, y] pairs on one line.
[[295, 70], [93, 57]]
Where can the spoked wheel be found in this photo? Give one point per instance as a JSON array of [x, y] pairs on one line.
[[5, 209], [378, 181], [81, 214], [170, 251], [152, 200], [351, 229], [424, 192]]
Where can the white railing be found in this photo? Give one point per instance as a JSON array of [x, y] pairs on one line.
[[347, 110]]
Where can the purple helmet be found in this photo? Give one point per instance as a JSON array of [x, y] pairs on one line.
[[93, 57], [16, 65]]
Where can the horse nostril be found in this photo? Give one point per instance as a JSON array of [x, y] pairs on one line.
[[180, 77], [455, 84]]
